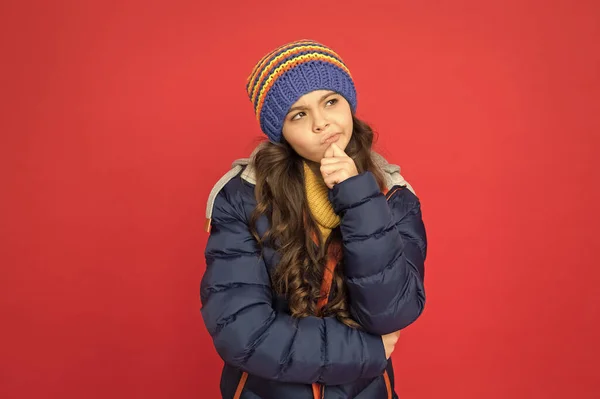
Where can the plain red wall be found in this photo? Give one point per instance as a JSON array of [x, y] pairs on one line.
[[118, 117]]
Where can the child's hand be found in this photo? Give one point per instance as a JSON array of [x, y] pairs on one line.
[[389, 342], [336, 166]]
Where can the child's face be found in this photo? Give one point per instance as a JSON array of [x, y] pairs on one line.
[[316, 120]]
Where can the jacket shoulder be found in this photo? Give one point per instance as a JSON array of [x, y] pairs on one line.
[[391, 172], [402, 201], [232, 189]]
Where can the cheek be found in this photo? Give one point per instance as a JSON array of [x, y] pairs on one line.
[[300, 141], [346, 123], [344, 118], [350, 125], [306, 147]]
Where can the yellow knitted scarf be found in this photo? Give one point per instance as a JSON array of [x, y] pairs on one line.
[[318, 202]]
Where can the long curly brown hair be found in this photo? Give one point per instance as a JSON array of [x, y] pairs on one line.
[[281, 196]]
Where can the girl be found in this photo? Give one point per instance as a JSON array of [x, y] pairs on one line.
[[316, 252]]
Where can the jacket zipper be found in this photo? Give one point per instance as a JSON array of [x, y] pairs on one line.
[[244, 377], [386, 378], [240, 387], [388, 384], [392, 192]]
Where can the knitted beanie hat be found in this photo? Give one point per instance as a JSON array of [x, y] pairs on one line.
[[290, 71]]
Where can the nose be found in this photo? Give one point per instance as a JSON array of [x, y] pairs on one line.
[[320, 123]]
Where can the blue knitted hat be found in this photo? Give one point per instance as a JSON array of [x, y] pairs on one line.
[[290, 71]]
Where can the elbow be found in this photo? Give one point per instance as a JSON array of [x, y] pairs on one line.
[[231, 352], [407, 315], [230, 347], [394, 318], [229, 343], [240, 345]]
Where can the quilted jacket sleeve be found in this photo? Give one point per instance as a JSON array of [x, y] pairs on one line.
[[249, 334], [384, 253]]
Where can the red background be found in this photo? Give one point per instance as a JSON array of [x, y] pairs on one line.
[[118, 117]]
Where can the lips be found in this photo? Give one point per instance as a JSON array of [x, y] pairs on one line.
[[331, 138]]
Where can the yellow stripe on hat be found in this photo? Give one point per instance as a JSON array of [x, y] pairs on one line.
[[280, 70], [262, 61], [260, 81]]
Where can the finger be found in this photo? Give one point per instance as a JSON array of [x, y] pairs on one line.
[[337, 151], [330, 168], [326, 161], [335, 177], [328, 152], [329, 181]]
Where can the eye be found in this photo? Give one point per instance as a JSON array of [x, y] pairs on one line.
[[332, 101], [296, 117]]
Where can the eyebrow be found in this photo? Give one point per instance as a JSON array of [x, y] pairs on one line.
[[302, 107]]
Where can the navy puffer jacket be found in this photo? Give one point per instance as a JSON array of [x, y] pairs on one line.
[[268, 354]]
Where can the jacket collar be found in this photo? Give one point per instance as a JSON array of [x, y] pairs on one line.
[[390, 171]]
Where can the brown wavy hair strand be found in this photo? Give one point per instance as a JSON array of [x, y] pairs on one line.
[[281, 196]]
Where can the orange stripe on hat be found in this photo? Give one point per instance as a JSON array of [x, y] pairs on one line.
[[263, 60]]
